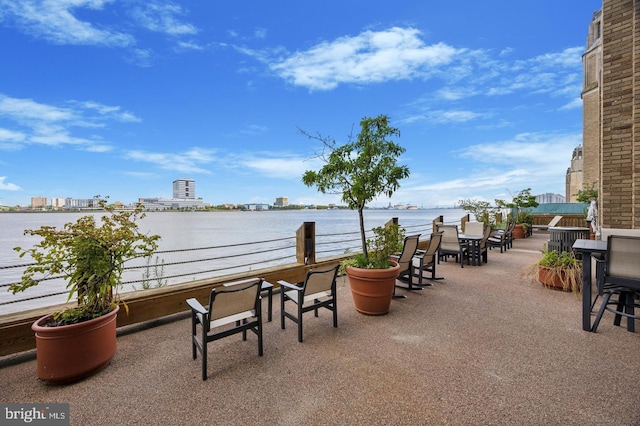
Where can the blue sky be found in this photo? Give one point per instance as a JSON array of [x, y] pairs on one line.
[[122, 97]]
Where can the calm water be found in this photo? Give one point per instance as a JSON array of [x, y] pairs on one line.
[[186, 230]]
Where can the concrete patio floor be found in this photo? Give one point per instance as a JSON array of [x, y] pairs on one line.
[[485, 346]]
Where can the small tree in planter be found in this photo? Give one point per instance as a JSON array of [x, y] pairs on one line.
[[521, 201], [90, 255], [361, 170]]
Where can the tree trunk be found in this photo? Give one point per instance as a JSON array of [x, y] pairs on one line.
[[362, 232]]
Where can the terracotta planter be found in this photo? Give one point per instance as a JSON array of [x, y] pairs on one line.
[[69, 353], [372, 289], [518, 231], [550, 279]]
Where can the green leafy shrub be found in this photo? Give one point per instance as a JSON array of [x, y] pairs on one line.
[[90, 254]]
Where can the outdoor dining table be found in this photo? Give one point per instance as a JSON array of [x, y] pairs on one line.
[[473, 242], [587, 248]]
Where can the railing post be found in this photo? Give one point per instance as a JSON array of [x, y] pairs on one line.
[[393, 221], [463, 222], [437, 221], [306, 243]]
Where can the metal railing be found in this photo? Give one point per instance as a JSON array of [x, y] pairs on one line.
[[179, 266]]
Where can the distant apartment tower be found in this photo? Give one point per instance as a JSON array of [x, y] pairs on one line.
[[38, 202], [281, 202], [57, 203], [550, 198], [574, 175], [80, 203], [184, 188]]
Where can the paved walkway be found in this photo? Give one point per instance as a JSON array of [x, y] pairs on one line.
[[483, 347]]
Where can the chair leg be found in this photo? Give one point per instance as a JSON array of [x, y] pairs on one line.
[[335, 312], [204, 352], [282, 300], [193, 335], [397, 296], [433, 274], [244, 333], [259, 332], [300, 320], [603, 306], [416, 272], [619, 307], [629, 310]]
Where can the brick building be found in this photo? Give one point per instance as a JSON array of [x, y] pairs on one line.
[[38, 202], [611, 99]]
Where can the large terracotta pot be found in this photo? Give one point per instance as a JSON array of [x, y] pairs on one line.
[[69, 353], [518, 231], [551, 279], [372, 289]]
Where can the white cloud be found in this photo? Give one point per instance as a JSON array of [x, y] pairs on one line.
[[38, 123], [141, 57], [54, 20], [7, 135], [527, 150], [569, 58], [189, 45], [107, 111], [8, 186], [163, 18], [495, 168], [27, 109], [453, 116], [279, 165], [190, 161], [574, 104], [370, 57], [260, 33]]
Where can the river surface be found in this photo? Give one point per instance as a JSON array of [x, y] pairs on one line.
[[190, 230]]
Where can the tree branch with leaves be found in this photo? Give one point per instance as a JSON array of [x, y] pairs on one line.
[[361, 169]]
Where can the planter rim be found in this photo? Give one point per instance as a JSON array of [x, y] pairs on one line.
[[89, 324]]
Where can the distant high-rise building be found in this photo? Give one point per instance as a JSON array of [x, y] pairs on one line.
[[550, 198], [184, 197], [38, 202], [281, 202], [57, 203], [184, 188]]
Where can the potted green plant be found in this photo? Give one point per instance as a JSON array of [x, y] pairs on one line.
[[90, 254], [361, 170], [523, 219], [558, 270]]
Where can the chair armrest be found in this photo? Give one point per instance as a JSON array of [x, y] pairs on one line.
[[196, 306], [289, 285]]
